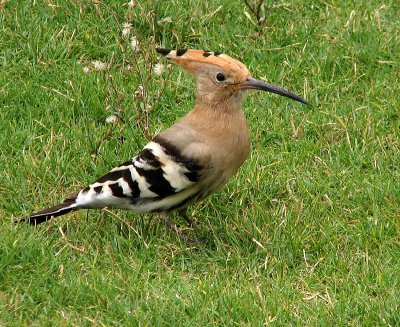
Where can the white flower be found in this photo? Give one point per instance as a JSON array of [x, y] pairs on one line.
[[129, 68], [165, 20], [131, 4], [159, 69], [139, 92], [86, 70], [126, 29], [134, 44], [112, 119], [99, 65]]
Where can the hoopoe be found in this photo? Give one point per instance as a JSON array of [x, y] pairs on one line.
[[191, 159]]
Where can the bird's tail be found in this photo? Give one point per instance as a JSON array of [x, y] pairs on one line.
[[42, 216]]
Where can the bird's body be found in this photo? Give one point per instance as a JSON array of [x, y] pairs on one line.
[[191, 159]]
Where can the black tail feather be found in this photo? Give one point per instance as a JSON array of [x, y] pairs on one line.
[[42, 216]]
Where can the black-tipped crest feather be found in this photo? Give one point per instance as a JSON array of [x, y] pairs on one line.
[[163, 51]]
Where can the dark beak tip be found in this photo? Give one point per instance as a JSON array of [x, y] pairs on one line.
[[307, 103]]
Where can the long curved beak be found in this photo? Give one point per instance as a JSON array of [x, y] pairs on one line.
[[255, 84]]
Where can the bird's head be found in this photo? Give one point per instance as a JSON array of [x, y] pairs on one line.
[[220, 77]]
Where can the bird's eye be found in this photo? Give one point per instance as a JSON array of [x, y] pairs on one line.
[[220, 77]]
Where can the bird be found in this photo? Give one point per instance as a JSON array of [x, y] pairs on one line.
[[191, 159]]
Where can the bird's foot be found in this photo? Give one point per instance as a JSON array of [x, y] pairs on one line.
[[183, 233]]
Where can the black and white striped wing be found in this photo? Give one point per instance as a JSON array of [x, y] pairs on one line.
[[158, 179]]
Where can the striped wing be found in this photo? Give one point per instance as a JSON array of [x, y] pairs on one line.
[[158, 179]]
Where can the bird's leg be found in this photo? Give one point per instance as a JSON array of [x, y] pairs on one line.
[[184, 215], [182, 233], [169, 223]]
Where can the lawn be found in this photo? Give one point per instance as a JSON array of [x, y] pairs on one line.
[[307, 233]]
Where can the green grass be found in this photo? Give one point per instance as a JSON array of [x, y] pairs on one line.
[[307, 233]]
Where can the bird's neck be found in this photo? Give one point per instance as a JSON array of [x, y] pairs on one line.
[[221, 103], [214, 114], [223, 120]]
